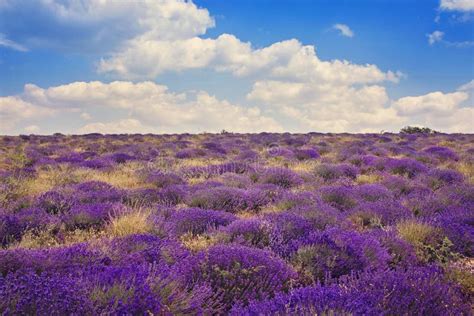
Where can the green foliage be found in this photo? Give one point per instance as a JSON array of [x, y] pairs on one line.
[[442, 252], [417, 130]]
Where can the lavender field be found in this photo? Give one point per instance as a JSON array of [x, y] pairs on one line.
[[239, 224]]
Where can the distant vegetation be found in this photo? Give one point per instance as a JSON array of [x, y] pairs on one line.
[[417, 130]]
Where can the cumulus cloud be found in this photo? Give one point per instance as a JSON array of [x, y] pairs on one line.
[[344, 30], [328, 107], [447, 112], [287, 59], [32, 129], [124, 126], [457, 5], [101, 25], [279, 105], [140, 107], [15, 111], [338, 108], [436, 36], [434, 102]]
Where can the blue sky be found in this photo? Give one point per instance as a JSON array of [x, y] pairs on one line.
[[246, 66]]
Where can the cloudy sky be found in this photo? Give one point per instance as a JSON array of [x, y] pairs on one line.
[[165, 66]]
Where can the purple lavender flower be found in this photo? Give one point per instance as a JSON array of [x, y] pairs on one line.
[[197, 221], [441, 177], [306, 154], [28, 293], [55, 202], [96, 192], [161, 179], [317, 300], [334, 171], [249, 232], [416, 291], [281, 152], [190, 153], [239, 274], [173, 195], [334, 253], [405, 167], [120, 157], [92, 215], [442, 153], [282, 177], [97, 163], [142, 248], [340, 197], [10, 228], [219, 198]]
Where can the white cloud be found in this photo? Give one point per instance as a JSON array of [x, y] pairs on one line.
[[124, 126], [287, 59], [434, 102], [463, 44], [141, 107], [5, 42], [436, 36], [14, 110], [344, 30], [467, 87], [99, 25], [32, 129], [146, 107], [457, 5], [448, 112], [327, 107], [338, 108], [85, 116]]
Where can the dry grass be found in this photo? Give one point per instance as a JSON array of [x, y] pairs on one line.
[[414, 232], [305, 166], [197, 243], [462, 272], [193, 181], [135, 222], [197, 162], [418, 235], [50, 177], [245, 215], [467, 169], [33, 240], [123, 176], [368, 178], [448, 143], [47, 238]]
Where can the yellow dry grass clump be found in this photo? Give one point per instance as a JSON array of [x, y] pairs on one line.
[[49, 177], [135, 222], [124, 176], [368, 178], [46, 239], [415, 232], [197, 243], [467, 169]]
